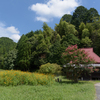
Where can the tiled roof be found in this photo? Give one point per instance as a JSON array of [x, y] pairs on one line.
[[92, 54]]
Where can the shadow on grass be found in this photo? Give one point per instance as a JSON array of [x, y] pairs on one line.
[[63, 79], [72, 82]]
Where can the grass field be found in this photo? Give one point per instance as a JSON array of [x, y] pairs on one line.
[[66, 90], [57, 91]]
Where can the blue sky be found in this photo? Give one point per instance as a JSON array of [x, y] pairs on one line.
[[19, 17]]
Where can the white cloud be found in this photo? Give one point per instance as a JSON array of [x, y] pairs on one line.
[[12, 29], [41, 19], [10, 32], [53, 8], [15, 37]]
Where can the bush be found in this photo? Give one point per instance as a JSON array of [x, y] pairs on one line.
[[50, 69], [24, 78]]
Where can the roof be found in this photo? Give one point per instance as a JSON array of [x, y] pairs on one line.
[[92, 54]]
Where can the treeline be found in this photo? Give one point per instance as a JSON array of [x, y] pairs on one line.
[[40, 47]]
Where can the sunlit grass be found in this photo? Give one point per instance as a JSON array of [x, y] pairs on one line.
[[59, 91]]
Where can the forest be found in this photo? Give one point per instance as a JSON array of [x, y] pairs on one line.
[[46, 46]]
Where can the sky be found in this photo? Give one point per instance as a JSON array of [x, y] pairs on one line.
[[19, 17]]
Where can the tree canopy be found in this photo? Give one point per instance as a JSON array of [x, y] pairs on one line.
[[47, 45]]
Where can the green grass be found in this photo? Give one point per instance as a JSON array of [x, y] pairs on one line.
[[58, 91]]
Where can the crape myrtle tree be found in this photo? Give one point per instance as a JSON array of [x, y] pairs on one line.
[[76, 61]]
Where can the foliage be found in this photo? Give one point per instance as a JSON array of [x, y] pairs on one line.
[[13, 77], [6, 45], [74, 57], [67, 17], [86, 42], [85, 33], [35, 48], [55, 53], [9, 60], [23, 55], [84, 15], [64, 28], [71, 39], [50, 69], [43, 46], [91, 13], [79, 16]]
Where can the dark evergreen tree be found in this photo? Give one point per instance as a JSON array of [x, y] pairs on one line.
[[91, 13], [79, 16], [67, 18], [23, 55]]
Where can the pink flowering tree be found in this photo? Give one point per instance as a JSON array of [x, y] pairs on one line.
[[76, 61]]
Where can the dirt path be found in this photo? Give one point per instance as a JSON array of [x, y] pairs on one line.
[[97, 87]]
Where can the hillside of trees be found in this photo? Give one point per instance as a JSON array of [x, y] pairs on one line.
[[6, 45], [40, 47]]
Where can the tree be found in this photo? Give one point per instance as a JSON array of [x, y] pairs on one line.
[[86, 42], [23, 55], [91, 13], [70, 39], [67, 18], [85, 33], [79, 16], [6, 45], [81, 28], [41, 44], [9, 60], [64, 28], [95, 34], [55, 53], [74, 57]]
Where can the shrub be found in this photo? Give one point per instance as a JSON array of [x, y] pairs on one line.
[[24, 78], [50, 69]]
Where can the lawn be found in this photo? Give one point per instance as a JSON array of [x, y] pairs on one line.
[[57, 91]]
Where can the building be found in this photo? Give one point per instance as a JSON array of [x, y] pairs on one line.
[[94, 75]]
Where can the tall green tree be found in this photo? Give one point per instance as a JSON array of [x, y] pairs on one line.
[[23, 55], [81, 28], [91, 13], [40, 45], [64, 28], [79, 16], [67, 18]]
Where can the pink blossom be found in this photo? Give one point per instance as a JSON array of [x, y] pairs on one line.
[[70, 62], [75, 56]]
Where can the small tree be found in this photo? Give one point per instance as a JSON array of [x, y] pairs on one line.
[[77, 60]]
